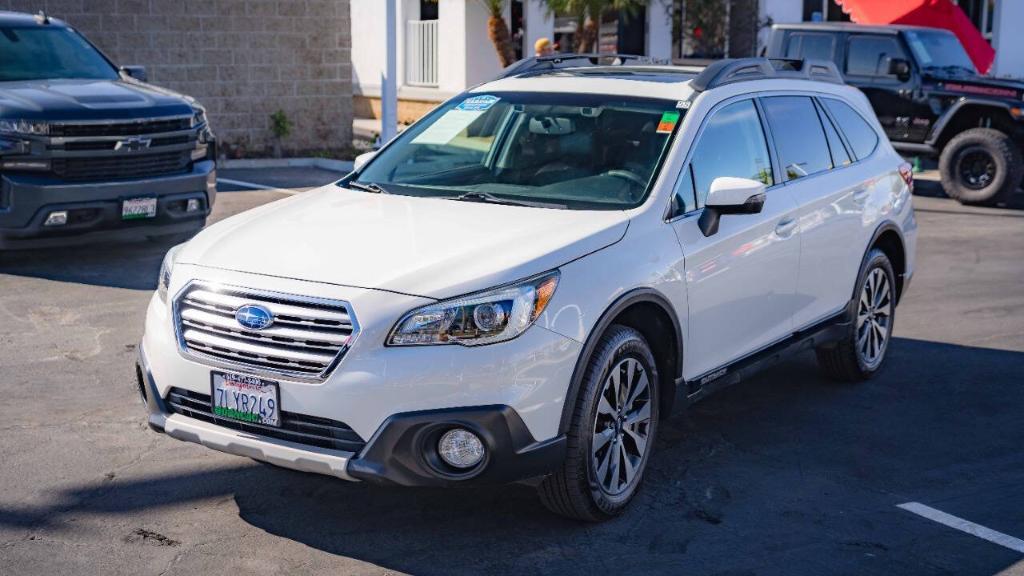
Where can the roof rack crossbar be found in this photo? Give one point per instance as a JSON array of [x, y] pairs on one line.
[[744, 69], [542, 63]]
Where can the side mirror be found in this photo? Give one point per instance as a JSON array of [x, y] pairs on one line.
[[362, 159], [136, 72], [730, 195], [899, 68]]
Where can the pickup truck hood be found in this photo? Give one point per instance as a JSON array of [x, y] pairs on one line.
[[427, 247], [61, 100]]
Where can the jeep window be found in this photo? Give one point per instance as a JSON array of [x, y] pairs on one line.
[[939, 49], [799, 137], [861, 136], [870, 55], [805, 45], [578, 151], [39, 53], [732, 144]]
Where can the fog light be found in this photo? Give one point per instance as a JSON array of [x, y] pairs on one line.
[[58, 218], [192, 205], [461, 448]]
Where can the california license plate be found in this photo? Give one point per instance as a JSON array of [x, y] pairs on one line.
[[138, 208], [246, 398]]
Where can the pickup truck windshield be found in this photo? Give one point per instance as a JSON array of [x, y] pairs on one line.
[[575, 151], [939, 50], [41, 53]]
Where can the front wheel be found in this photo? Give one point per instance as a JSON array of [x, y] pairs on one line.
[[859, 355], [980, 166], [611, 433]]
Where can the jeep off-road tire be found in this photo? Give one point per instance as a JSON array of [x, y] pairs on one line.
[[981, 166], [859, 355], [616, 410]]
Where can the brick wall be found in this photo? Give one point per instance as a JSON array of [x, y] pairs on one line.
[[242, 59]]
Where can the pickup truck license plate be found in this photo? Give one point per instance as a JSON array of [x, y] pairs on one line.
[[138, 208], [246, 398]]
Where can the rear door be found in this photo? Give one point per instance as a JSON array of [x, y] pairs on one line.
[[741, 281]]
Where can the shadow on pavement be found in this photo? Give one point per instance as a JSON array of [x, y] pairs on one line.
[[933, 189], [132, 265], [784, 466]]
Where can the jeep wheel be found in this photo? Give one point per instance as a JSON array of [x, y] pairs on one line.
[[980, 166], [859, 355], [612, 431]]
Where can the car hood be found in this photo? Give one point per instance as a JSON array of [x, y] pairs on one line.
[[57, 100], [420, 246]]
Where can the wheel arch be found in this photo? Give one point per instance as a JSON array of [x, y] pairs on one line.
[[889, 239], [650, 313], [973, 113]]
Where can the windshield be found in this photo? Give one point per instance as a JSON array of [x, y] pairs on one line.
[[42, 53], [576, 151], [939, 50]]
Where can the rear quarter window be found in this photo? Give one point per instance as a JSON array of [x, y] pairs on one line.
[[862, 137]]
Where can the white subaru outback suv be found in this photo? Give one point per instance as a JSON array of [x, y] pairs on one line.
[[523, 284]]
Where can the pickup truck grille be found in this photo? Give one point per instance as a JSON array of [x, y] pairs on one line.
[[117, 167], [306, 340], [127, 128], [298, 428]]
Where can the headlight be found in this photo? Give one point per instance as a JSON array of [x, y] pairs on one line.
[[198, 116], [24, 127], [485, 317], [166, 268]]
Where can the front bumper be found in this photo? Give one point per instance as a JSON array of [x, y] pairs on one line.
[[94, 208], [400, 399]]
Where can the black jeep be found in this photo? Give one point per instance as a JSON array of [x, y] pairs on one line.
[[929, 98], [89, 149]]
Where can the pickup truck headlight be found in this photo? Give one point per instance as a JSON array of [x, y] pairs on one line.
[[487, 317], [198, 116], [24, 127], [166, 268]]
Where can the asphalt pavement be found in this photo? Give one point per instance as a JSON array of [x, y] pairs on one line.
[[784, 474]]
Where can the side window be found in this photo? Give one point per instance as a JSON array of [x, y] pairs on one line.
[[798, 135], [840, 156], [861, 136], [870, 55], [732, 144], [804, 45]]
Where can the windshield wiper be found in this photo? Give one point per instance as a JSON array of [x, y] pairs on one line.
[[368, 187], [492, 199]]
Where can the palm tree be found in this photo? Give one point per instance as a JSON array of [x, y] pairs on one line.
[[588, 15], [497, 30]]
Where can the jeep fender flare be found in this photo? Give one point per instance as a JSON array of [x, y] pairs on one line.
[[935, 134]]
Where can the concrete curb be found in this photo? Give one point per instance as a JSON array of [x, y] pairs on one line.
[[342, 166]]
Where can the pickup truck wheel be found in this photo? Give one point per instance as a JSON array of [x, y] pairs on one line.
[[612, 431], [980, 166], [859, 355]]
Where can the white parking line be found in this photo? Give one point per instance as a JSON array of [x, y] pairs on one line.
[[257, 186], [964, 526]]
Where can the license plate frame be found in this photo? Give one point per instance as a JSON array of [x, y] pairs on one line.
[[258, 392], [140, 208]]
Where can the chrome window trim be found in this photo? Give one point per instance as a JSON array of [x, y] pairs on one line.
[[255, 293]]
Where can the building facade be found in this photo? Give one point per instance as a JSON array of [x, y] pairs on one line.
[[242, 59]]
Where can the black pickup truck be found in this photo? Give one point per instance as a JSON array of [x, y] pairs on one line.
[[929, 98], [89, 150]]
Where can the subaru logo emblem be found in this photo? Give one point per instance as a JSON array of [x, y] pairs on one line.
[[254, 317]]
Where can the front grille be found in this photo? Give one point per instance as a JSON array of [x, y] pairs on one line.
[[298, 428], [127, 128], [307, 338], [117, 167]]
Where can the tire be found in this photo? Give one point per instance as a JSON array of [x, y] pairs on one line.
[[873, 308], [981, 166], [590, 486]]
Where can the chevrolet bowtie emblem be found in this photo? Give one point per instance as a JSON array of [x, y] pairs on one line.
[[133, 144]]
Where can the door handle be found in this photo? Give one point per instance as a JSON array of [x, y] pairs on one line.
[[786, 227]]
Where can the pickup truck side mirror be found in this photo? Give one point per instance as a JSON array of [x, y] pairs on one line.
[[362, 159], [900, 68], [136, 72], [730, 196]]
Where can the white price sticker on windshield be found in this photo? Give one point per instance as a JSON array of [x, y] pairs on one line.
[[447, 127]]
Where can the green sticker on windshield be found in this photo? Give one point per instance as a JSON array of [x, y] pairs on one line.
[[668, 122]]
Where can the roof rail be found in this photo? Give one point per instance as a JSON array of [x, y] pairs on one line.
[[744, 69], [542, 63]]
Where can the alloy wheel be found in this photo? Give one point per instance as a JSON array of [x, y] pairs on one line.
[[874, 317], [622, 427], [977, 169]]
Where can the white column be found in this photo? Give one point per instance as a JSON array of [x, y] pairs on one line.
[[388, 84], [779, 12], [539, 24], [1007, 39], [659, 29], [466, 54]]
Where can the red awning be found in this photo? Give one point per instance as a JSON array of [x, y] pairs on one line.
[[933, 13]]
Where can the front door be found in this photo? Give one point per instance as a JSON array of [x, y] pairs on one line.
[[899, 104]]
